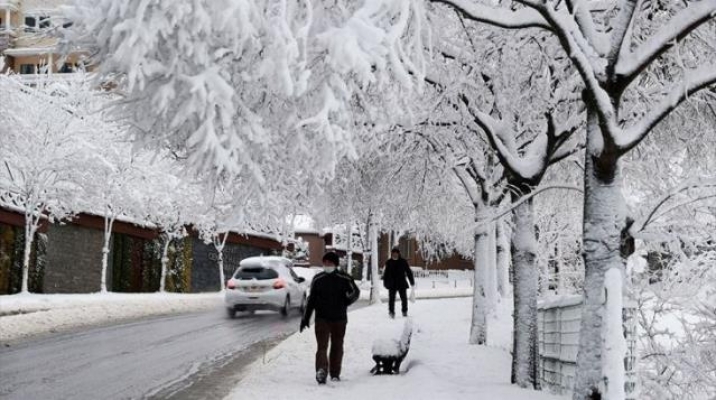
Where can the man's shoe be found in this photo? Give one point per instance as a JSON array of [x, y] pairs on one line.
[[405, 313], [392, 315], [321, 376], [335, 379]]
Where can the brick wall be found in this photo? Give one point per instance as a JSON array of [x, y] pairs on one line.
[[410, 250], [74, 259]]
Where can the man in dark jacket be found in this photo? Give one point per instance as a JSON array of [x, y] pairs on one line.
[[332, 291], [394, 274]]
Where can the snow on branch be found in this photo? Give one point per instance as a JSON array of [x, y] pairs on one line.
[[695, 81], [503, 18], [630, 65], [709, 184], [529, 197]]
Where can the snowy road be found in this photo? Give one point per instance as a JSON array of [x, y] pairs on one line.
[[188, 356]]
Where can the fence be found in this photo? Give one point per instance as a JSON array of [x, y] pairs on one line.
[[559, 322], [441, 279]]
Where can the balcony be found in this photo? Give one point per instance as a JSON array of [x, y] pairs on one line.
[[10, 4], [32, 79], [6, 38]]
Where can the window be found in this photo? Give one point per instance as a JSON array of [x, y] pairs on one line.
[[44, 22], [30, 24], [67, 68], [28, 69], [258, 273], [33, 22]]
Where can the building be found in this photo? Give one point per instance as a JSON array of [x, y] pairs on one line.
[[66, 257], [410, 250], [27, 43]]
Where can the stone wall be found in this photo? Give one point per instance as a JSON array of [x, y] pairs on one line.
[[205, 271], [74, 259]]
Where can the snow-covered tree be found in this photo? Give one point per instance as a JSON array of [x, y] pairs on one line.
[[618, 51], [170, 203], [118, 194], [236, 86], [43, 148]]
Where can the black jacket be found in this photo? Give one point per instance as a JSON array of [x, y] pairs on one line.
[[395, 273], [331, 294]]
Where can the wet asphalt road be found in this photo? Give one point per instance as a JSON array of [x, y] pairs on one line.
[[189, 356]]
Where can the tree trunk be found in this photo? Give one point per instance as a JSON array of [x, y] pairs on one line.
[[349, 250], [604, 218], [503, 261], [30, 229], [525, 352], [220, 260], [375, 274], [366, 261], [560, 269], [108, 222], [478, 327], [491, 270], [165, 261]]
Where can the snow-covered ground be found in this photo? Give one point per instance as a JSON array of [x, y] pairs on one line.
[[33, 314], [429, 288], [440, 364]]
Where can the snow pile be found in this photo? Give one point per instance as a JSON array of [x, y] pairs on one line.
[[32, 314], [440, 365], [396, 341]]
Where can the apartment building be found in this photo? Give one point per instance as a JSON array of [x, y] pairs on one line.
[[28, 43]]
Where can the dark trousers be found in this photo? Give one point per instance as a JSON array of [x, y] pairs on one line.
[[403, 300], [333, 331]]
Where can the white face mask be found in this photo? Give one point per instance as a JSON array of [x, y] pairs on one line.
[[329, 270]]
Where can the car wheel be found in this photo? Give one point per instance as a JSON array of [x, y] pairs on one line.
[[286, 307], [231, 313]]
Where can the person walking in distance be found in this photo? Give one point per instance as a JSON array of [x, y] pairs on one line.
[[332, 291], [394, 279]]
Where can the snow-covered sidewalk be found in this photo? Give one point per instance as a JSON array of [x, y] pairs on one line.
[[32, 314], [422, 292], [440, 364]]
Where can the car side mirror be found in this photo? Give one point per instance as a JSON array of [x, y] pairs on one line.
[[300, 279]]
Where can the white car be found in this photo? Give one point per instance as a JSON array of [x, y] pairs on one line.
[[265, 283]]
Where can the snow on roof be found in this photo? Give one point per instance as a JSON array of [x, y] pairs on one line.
[[11, 4], [304, 224], [30, 51], [263, 260], [43, 5], [560, 301]]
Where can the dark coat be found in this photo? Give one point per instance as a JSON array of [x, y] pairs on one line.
[[395, 273], [331, 294]]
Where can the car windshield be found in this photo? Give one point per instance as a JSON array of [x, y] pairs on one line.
[[259, 273]]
